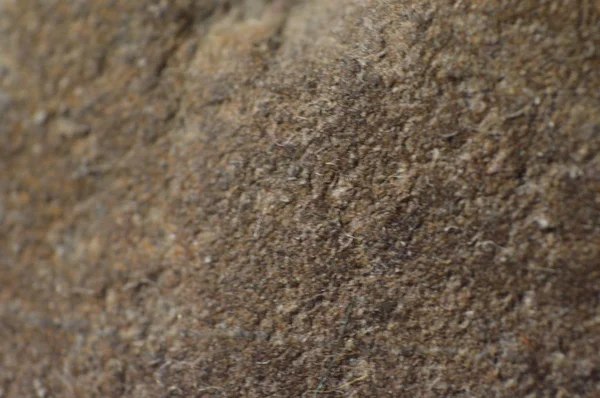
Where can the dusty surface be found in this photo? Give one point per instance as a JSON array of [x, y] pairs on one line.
[[299, 198]]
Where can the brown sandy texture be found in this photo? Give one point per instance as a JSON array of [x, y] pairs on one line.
[[358, 198]]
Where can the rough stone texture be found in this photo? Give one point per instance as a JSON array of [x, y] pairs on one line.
[[355, 198]]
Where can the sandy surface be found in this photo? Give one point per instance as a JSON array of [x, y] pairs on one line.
[[356, 198]]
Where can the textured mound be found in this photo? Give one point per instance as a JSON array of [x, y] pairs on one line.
[[297, 198]]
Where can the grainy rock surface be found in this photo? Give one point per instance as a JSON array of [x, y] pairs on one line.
[[358, 198]]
